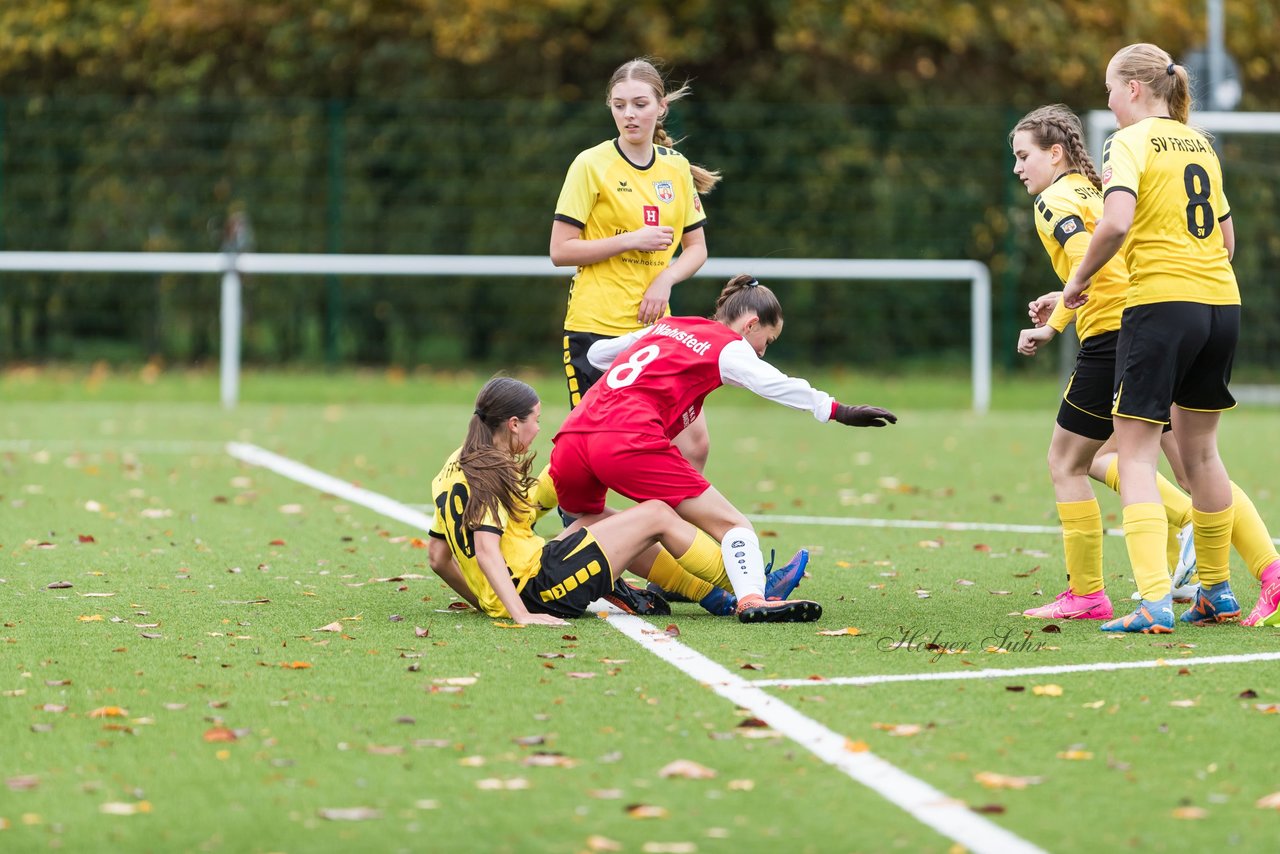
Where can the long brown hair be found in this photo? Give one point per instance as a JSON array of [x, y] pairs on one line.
[[646, 71], [1056, 124], [744, 295], [1154, 68], [496, 475]]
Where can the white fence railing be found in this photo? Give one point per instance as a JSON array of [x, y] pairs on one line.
[[231, 266]]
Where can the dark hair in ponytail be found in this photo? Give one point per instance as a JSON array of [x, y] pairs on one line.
[[744, 295], [496, 475], [1054, 125]]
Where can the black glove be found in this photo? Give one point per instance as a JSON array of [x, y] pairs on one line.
[[863, 416]]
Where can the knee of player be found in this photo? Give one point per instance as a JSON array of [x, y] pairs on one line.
[[1065, 466]]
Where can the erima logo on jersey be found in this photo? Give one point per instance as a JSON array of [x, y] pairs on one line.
[[623, 188]]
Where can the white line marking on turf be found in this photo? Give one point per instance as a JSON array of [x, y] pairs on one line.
[[123, 445], [948, 816], [1020, 671], [864, 522]]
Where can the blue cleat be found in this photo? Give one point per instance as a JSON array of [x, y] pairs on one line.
[[720, 603], [780, 583], [1151, 618], [1215, 605]]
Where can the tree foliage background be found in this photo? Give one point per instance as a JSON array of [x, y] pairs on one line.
[[844, 129]]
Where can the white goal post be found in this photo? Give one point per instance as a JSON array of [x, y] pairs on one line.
[[231, 266]]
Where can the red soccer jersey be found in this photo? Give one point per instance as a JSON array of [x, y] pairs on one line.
[[657, 385]]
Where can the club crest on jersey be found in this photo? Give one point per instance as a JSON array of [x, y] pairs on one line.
[[665, 190], [1106, 175], [1069, 227]]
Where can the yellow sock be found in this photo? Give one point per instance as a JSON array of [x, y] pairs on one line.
[[705, 560], [1177, 504], [1082, 543], [1213, 545], [1145, 527], [1249, 534], [1113, 475], [668, 574]]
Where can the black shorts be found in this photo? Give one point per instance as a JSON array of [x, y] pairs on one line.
[[574, 574], [1086, 403], [577, 370], [1175, 353]]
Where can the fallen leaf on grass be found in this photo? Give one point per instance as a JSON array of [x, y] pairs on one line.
[[584, 675], [849, 630], [548, 759], [1269, 802], [605, 794], [498, 624], [900, 729], [989, 809], [291, 509], [597, 843], [349, 813], [1248, 694], [1047, 690], [1075, 755], [1190, 813], [1184, 704], [335, 626], [1267, 708], [86, 538], [385, 749], [419, 632], [672, 631], [51, 707], [276, 543], [982, 547], [220, 734], [456, 680], [24, 783], [669, 848], [750, 665], [645, 811], [109, 712], [118, 808], [295, 665], [992, 780], [1096, 704], [89, 618], [59, 585], [491, 784], [858, 746], [686, 768]]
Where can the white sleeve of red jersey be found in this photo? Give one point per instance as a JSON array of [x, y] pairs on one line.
[[740, 366], [602, 353]]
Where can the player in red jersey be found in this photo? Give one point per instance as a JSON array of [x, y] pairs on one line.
[[620, 436]]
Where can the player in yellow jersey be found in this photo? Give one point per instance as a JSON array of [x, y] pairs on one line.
[[1163, 202], [484, 546], [1051, 161], [626, 205]]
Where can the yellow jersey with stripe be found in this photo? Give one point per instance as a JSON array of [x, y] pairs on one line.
[[605, 194], [1174, 251], [521, 547], [1066, 214]]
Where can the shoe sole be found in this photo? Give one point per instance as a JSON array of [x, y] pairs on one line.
[[1149, 630], [1209, 621], [801, 611]]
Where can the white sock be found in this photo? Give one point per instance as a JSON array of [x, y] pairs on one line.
[[743, 562]]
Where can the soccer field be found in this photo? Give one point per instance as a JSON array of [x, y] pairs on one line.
[[206, 654]]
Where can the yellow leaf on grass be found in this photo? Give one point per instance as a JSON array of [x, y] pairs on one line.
[[1183, 704], [501, 625], [646, 811], [858, 746], [1077, 755], [899, 729], [992, 780], [850, 630], [1190, 813], [1047, 690], [117, 808], [109, 712], [295, 665], [92, 618], [1096, 704], [687, 769]]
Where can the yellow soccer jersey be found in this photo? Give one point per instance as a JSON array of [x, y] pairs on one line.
[[1174, 251], [605, 194], [1065, 214], [521, 547]]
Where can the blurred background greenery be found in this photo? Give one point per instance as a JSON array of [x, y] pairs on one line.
[[855, 129]]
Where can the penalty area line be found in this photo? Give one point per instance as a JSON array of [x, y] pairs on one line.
[[994, 673], [949, 817]]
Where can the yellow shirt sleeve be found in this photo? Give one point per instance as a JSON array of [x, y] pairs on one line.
[[1061, 317], [579, 193], [1121, 166]]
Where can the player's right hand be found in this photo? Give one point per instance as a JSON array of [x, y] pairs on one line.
[[1030, 340], [532, 619], [1040, 308], [863, 416], [653, 238]]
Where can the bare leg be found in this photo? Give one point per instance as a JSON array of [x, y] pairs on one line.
[[694, 442]]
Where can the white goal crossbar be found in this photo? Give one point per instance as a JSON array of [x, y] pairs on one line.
[[231, 267]]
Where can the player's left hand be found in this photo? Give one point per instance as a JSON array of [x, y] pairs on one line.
[[653, 305], [1030, 340]]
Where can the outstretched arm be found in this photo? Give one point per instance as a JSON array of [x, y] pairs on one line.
[[494, 567], [1108, 237]]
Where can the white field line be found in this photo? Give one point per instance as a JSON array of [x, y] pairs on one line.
[[863, 522], [1019, 671], [123, 445], [949, 817]]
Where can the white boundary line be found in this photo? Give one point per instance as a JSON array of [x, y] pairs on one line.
[[864, 522], [948, 816], [1018, 671]]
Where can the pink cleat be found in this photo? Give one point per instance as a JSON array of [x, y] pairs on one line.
[[1069, 606], [1267, 611]]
